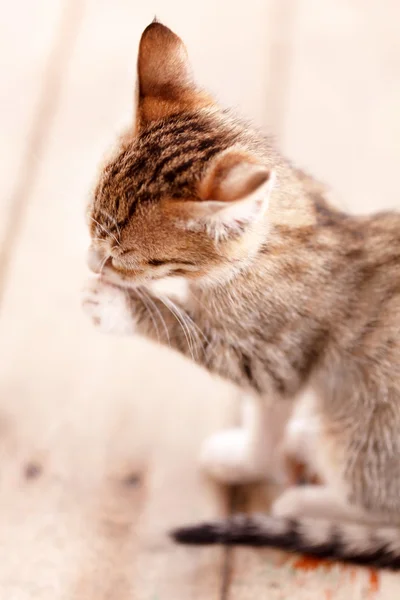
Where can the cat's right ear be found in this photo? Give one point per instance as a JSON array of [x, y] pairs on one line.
[[233, 196], [165, 81]]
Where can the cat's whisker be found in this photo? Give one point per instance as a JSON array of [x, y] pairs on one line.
[[179, 311], [112, 219], [148, 308], [197, 331], [154, 305], [188, 329], [102, 263], [191, 327], [105, 230], [171, 306], [195, 327]]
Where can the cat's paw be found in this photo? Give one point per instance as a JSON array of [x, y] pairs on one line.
[[108, 307], [226, 456]]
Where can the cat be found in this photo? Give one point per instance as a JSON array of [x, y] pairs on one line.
[[284, 293]]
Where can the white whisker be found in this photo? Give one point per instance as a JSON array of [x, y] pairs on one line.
[[105, 230], [102, 263], [181, 320], [148, 308], [150, 299], [197, 331], [196, 327], [113, 219]]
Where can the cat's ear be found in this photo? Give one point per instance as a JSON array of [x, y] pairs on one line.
[[165, 80], [234, 194]]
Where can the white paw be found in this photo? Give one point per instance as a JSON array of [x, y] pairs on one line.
[[226, 456], [300, 436], [289, 504], [107, 306]]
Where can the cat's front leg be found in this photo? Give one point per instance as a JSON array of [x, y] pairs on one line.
[[109, 307], [251, 452]]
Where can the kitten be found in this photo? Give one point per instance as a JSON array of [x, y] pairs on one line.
[[284, 292]]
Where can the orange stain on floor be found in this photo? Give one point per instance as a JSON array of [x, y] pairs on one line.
[[310, 563], [373, 582]]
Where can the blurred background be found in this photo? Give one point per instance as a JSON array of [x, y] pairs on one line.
[[99, 435]]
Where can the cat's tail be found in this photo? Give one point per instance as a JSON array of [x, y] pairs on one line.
[[372, 545]]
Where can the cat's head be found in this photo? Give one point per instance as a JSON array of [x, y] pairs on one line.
[[186, 192]]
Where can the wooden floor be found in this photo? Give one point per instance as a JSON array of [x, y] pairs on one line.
[[99, 436]]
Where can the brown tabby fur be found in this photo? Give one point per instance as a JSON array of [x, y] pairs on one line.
[[307, 295]]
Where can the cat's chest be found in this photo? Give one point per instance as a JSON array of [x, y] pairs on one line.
[[231, 315]]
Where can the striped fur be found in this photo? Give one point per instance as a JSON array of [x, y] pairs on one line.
[[355, 543], [284, 291], [167, 159]]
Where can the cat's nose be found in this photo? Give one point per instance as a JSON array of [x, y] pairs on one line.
[[95, 259]]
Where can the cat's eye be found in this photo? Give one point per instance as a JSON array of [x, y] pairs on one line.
[[157, 263], [170, 262], [174, 266]]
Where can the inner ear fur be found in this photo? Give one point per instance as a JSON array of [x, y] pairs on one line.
[[233, 175]]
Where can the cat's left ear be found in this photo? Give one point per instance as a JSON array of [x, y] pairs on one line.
[[165, 80], [234, 195]]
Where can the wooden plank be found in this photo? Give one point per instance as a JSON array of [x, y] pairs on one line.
[[28, 92], [341, 111], [99, 434]]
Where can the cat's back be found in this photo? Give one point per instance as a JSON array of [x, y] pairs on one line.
[[367, 335], [364, 281]]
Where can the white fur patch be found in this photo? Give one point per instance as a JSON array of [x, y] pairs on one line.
[[107, 306], [227, 457], [176, 288], [223, 455]]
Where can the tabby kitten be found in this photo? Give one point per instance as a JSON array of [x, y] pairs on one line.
[[283, 292]]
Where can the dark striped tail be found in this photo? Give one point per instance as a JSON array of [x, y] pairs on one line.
[[377, 546]]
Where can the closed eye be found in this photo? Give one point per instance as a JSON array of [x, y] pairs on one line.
[[158, 263]]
